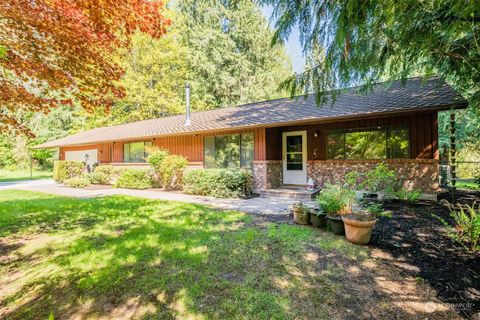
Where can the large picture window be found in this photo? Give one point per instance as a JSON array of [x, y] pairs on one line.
[[136, 151], [376, 143], [229, 151]]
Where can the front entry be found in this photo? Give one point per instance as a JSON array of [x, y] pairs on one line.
[[295, 157]]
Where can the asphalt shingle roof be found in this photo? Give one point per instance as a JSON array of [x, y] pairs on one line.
[[416, 94]]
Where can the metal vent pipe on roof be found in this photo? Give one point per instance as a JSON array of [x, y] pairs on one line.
[[187, 98]]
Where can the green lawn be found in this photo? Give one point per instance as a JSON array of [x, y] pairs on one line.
[[6, 175], [127, 257], [467, 185]]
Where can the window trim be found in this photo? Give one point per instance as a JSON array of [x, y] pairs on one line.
[[145, 153], [240, 149], [371, 128]]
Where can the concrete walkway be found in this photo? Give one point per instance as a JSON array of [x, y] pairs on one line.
[[270, 206]]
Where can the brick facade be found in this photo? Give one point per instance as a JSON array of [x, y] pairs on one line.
[[267, 174], [415, 173]]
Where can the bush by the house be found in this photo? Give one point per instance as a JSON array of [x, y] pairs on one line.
[[63, 170], [222, 183], [98, 178], [134, 179], [171, 171], [380, 179], [105, 174], [77, 182], [167, 169]]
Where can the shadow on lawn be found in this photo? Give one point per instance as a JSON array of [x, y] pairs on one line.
[[142, 258]]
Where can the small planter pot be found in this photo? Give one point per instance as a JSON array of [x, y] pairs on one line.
[[300, 215], [318, 220], [358, 232], [335, 224]]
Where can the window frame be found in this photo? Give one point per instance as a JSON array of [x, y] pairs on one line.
[[387, 130], [145, 153], [241, 163]]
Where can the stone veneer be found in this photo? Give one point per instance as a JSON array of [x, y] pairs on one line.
[[416, 173], [267, 174]]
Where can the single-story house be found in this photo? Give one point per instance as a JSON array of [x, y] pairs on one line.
[[286, 141]]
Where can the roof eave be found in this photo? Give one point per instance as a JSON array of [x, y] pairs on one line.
[[458, 105]]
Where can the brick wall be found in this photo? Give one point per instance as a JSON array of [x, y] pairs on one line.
[[415, 173], [267, 174]]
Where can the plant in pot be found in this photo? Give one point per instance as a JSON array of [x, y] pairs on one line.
[[335, 201], [301, 214], [318, 218], [359, 224]]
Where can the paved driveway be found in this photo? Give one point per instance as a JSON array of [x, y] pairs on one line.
[[270, 206]]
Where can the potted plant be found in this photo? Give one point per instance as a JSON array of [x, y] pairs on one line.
[[318, 218], [359, 224], [301, 214], [335, 201]]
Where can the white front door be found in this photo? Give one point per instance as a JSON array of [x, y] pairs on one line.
[[295, 157]]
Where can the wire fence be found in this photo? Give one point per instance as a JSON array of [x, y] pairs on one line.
[[466, 171]]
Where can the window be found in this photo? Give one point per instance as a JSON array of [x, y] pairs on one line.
[[229, 151], [136, 151], [377, 143]]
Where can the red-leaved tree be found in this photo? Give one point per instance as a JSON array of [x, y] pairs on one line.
[[53, 51]]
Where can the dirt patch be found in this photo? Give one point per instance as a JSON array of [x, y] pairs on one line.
[[416, 244]]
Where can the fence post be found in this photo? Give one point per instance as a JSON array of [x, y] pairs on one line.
[[453, 152]]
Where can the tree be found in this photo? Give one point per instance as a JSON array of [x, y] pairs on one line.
[[230, 60], [53, 52], [365, 41]]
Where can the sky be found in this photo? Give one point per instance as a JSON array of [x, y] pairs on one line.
[[292, 46]]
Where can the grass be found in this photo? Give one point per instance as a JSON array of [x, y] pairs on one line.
[[467, 185], [7, 175], [127, 257]]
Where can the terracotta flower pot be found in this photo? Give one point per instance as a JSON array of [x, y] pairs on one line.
[[300, 215], [357, 231], [335, 224], [318, 221]]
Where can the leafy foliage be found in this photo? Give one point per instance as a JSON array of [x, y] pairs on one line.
[[68, 56], [364, 41], [221, 183], [407, 195], [77, 182], [171, 170], [97, 178], [334, 199], [134, 179], [380, 179], [467, 228], [63, 170]]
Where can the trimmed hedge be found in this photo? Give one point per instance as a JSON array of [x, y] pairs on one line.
[[63, 170], [77, 182], [221, 183], [98, 178], [134, 179]]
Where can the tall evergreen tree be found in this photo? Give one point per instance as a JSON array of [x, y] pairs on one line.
[[230, 57]]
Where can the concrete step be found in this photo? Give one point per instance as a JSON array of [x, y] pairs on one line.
[[291, 193]]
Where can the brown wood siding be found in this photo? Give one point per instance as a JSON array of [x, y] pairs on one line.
[[423, 135]]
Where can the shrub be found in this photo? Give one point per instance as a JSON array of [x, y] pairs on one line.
[[221, 183], [334, 199], [380, 179], [105, 174], [467, 228], [63, 170], [98, 178], [134, 179], [170, 171], [77, 182], [407, 196]]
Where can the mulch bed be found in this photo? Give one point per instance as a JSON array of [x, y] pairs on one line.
[[418, 241]]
